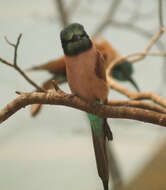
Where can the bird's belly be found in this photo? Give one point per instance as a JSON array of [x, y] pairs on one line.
[[86, 84]]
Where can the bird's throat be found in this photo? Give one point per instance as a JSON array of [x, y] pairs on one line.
[[73, 48]]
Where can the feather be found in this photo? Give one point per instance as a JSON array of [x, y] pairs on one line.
[[100, 128]]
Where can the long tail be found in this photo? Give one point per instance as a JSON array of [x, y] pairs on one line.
[[100, 130]]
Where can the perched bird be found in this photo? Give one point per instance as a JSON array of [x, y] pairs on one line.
[[85, 69], [122, 72]]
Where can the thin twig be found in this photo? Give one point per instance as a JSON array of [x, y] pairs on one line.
[[62, 12], [154, 40], [137, 95], [161, 23], [138, 56], [106, 21], [15, 47], [6, 62], [16, 67], [28, 79], [136, 14], [137, 29], [73, 7], [10, 43], [138, 104], [131, 26]]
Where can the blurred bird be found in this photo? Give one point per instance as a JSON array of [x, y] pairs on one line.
[[86, 76], [122, 72]]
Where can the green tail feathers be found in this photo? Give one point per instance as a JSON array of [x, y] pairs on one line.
[[100, 130], [96, 123], [99, 126]]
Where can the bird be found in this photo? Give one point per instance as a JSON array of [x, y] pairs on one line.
[[122, 72], [57, 67], [86, 76], [107, 53]]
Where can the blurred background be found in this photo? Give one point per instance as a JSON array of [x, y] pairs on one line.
[[54, 150]]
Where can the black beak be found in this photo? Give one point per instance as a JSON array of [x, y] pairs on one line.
[[76, 37]]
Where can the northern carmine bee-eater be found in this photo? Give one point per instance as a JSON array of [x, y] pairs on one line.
[[122, 72], [85, 69]]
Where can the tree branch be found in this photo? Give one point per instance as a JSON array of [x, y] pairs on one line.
[[62, 12], [15, 48], [131, 26], [73, 7], [106, 111], [15, 65], [161, 23], [106, 21], [138, 104], [137, 95], [138, 56], [6, 62]]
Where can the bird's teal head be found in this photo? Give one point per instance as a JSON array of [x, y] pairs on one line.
[[74, 39]]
